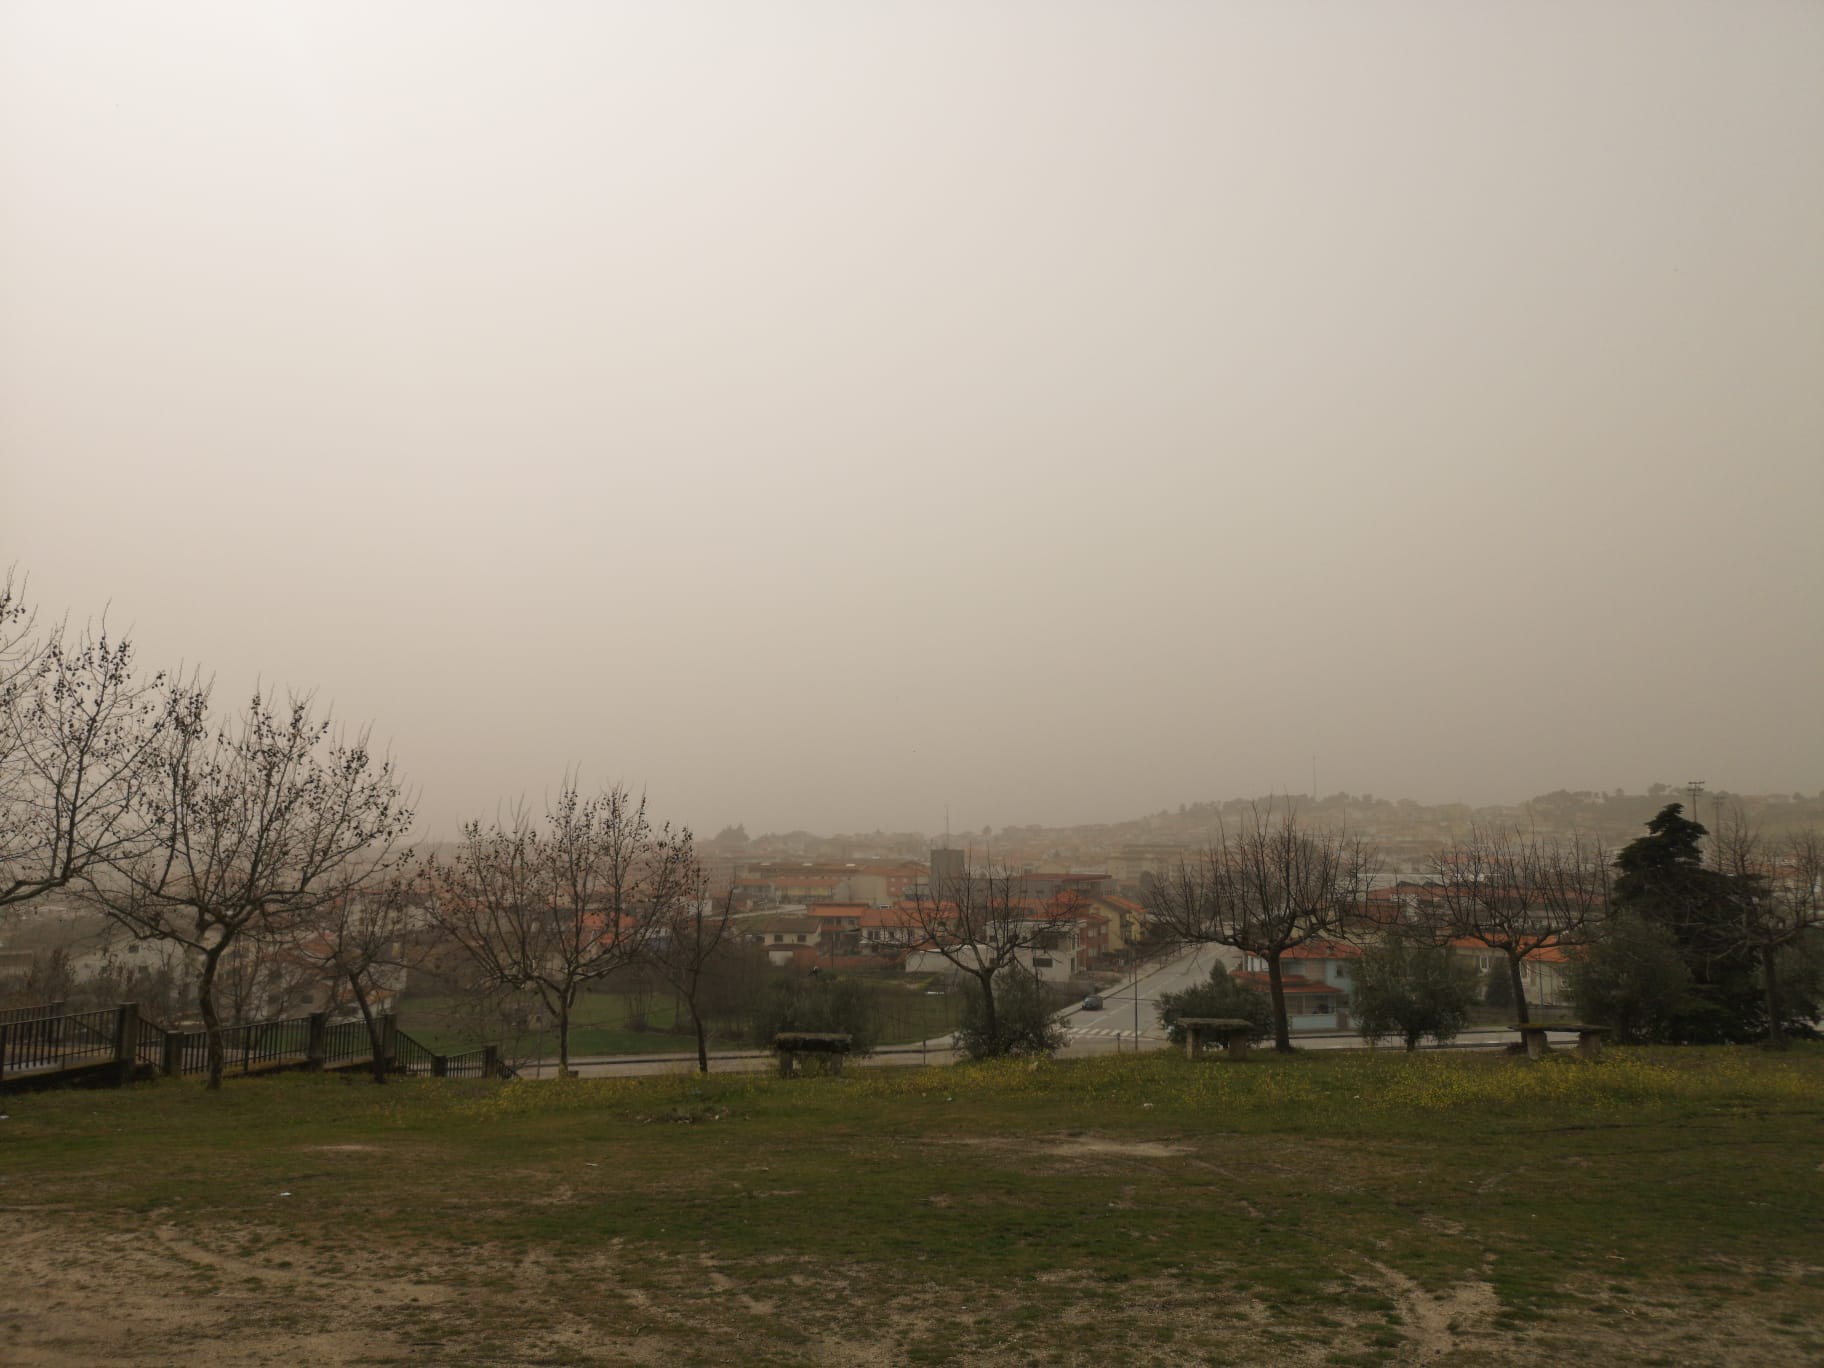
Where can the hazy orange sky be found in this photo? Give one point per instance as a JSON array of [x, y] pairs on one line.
[[821, 413]]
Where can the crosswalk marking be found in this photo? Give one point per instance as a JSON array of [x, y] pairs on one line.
[[1108, 1031]]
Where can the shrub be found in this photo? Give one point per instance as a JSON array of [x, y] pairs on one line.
[[819, 1002], [1500, 986], [1410, 988], [1220, 996], [1023, 1024]]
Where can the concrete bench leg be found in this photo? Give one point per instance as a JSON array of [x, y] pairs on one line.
[[1238, 1047], [1589, 1045], [1536, 1045], [785, 1063], [1193, 1043]]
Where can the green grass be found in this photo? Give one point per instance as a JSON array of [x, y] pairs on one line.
[[601, 1026], [1326, 1208]]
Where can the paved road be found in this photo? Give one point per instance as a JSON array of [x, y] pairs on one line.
[[1130, 1005], [1111, 1030]]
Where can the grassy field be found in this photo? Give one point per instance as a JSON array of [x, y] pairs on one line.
[[1657, 1207], [601, 1024]]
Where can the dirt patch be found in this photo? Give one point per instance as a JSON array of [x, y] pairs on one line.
[[161, 1289], [1123, 1149], [1439, 1325], [1078, 1146], [153, 1292]]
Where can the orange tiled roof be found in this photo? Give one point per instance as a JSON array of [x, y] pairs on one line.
[[1295, 985], [1323, 949]]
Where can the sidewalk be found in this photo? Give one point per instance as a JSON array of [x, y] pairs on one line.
[[733, 1061]]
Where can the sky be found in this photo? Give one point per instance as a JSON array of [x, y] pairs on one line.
[[824, 415]]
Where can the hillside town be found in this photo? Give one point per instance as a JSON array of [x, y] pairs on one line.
[[1074, 906]]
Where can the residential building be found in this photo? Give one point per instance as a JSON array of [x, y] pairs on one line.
[[780, 936], [1316, 977]]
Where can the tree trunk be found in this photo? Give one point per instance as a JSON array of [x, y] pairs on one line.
[[212, 1021], [989, 1018], [1412, 1041], [1776, 1030], [1282, 1030], [1513, 973], [696, 1021], [563, 1033], [373, 1029]]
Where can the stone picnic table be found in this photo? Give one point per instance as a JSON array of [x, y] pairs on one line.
[[1233, 1031], [831, 1046], [1589, 1038]]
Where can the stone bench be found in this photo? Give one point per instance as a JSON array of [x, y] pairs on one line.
[[1589, 1038], [1232, 1031], [831, 1047]]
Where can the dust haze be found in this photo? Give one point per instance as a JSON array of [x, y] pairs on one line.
[[822, 415]]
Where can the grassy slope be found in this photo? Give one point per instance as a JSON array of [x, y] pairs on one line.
[[1338, 1208]]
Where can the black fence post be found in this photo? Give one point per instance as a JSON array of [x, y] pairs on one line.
[[315, 1049], [490, 1061], [126, 1036], [440, 1066], [3, 1043], [388, 1028], [173, 1062]]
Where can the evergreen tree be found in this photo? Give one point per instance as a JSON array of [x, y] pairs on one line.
[[1632, 978], [1662, 879]]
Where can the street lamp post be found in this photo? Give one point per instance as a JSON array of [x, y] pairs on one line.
[[1135, 991]]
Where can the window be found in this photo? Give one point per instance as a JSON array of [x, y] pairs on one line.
[[1041, 962]]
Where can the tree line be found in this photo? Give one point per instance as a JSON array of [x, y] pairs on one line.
[[265, 826], [1682, 936]]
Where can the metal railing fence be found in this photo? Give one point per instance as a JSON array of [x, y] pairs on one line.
[[45, 1040]]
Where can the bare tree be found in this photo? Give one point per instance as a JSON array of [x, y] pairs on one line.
[[1266, 887], [1519, 893], [79, 730], [685, 946], [549, 909], [359, 946], [981, 923], [1777, 902], [251, 826], [18, 647], [260, 979]]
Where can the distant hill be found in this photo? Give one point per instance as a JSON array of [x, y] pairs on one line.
[[1614, 818]]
